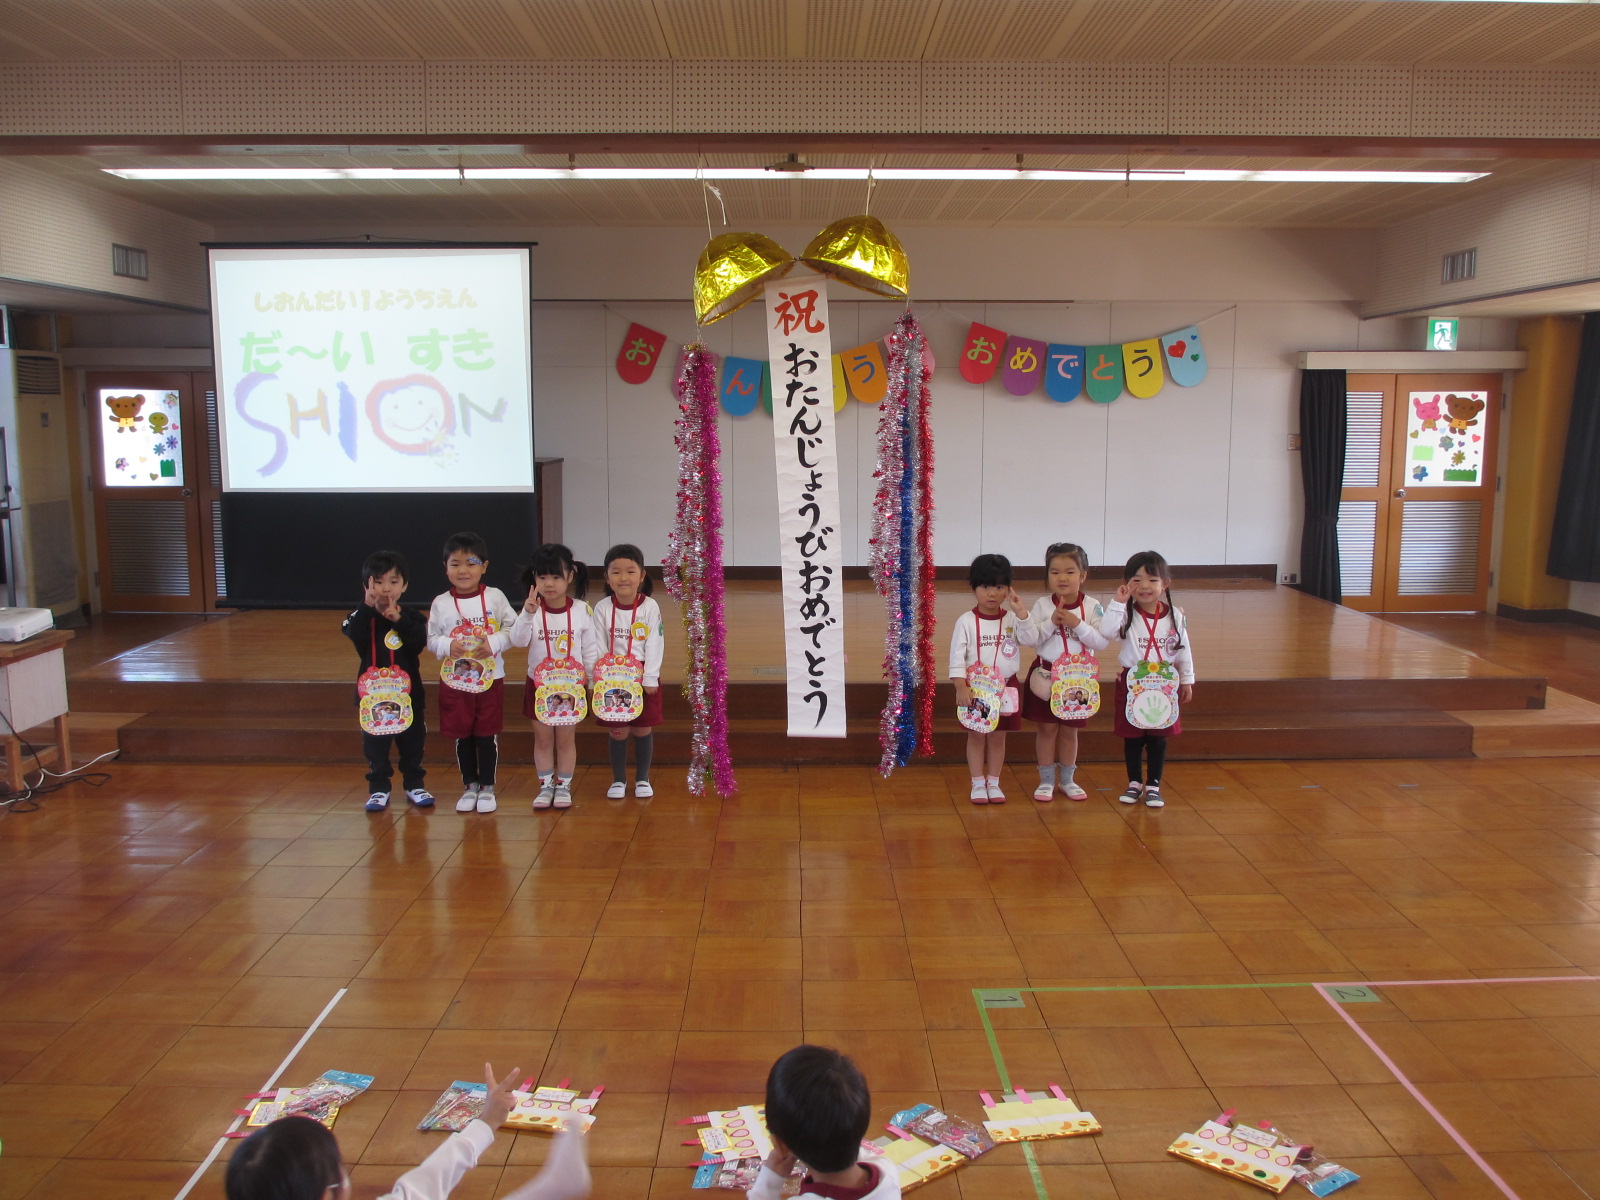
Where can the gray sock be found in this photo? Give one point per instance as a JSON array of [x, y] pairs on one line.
[[643, 748], [1047, 773], [618, 748], [1065, 773]]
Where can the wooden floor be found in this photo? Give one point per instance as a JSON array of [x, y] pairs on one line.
[[168, 937]]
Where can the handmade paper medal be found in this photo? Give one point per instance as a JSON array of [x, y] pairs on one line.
[[384, 692], [981, 714], [618, 679], [1075, 686], [474, 670], [1153, 686], [559, 692]]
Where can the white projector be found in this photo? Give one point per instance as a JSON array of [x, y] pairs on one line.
[[19, 624]]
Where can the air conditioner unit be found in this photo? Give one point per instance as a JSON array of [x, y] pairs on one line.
[[41, 561]]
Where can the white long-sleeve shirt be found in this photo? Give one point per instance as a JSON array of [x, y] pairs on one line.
[[649, 649], [575, 622], [769, 1184], [1171, 638], [995, 643], [439, 1173], [1050, 641], [489, 612]]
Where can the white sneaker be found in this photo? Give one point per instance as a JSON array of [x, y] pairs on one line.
[[643, 790], [377, 801], [1152, 797], [486, 800], [1134, 792], [1044, 793], [563, 794], [1074, 792], [547, 793], [996, 796], [980, 792], [469, 799], [420, 797], [617, 791]]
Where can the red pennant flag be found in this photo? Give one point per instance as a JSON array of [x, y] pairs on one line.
[[981, 355], [641, 348]]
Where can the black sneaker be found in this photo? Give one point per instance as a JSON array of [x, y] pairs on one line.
[[1133, 794]]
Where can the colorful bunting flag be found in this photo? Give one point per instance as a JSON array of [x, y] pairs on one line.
[[841, 390], [1103, 373], [1185, 356], [1142, 362], [741, 385], [1063, 376], [981, 355], [869, 382], [641, 348], [1024, 365]]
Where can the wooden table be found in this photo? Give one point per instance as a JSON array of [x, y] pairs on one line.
[[33, 690]]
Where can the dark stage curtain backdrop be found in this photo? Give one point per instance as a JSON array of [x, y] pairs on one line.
[[1575, 533], [1322, 435]]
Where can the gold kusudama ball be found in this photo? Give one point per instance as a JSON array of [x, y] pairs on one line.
[[732, 269], [860, 251]]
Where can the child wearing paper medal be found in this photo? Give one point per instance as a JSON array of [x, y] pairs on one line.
[[627, 680], [557, 627], [467, 632], [389, 641], [983, 663], [1060, 692], [1157, 674]]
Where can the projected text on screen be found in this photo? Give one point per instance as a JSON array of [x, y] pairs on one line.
[[373, 370]]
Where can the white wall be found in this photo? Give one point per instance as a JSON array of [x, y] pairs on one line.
[[1584, 597]]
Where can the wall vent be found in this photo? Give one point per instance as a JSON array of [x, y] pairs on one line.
[[38, 375], [129, 262], [1463, 264]]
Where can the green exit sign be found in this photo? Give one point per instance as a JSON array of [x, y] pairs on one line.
[[1442, 333]]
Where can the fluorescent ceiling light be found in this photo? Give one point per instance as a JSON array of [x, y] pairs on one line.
[[885, 174]]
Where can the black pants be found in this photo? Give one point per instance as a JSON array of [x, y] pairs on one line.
[[478, 757], [1133, 750], [408, 743]]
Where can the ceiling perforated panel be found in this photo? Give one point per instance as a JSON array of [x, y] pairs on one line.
[[737, 97], [1507, 102], [304, 97], [1299, 98], [90, 98], [549, 97], [1044, 97]]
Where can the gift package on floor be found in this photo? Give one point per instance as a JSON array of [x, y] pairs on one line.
[[1261, 1155], [320, 1100], [958, 1133], [551, 1109], [917, 1161], [1032, 1116], [461, 1103]]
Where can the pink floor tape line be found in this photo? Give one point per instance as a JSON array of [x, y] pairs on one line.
[[1400, 1076]]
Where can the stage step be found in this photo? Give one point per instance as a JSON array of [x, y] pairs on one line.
[[188, 737]]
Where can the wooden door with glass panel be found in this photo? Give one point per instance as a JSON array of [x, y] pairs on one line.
[[1417, 507]]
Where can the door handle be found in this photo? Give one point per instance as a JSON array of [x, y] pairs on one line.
[[187, 492], [1399, 493]]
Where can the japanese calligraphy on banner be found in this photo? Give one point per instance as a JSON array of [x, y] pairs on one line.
[[1141, 367], [799, 349]]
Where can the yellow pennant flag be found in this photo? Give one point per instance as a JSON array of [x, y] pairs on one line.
[[1141, 362], [841, 391]]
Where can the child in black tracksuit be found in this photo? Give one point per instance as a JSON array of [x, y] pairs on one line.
[[387, 636]]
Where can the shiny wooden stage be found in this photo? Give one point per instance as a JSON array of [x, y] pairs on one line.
[[1280, 675]]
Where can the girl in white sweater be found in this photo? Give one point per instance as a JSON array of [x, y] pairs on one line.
[[298, 1159], [628, 622], [988, 634]]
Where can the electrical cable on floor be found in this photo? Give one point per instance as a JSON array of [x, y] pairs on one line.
[[26, 799]]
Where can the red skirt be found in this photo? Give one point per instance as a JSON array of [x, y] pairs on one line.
[[1037, 710], [1123, 729], [472, 714], [648, 719]]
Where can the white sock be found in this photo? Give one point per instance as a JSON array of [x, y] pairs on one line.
[[565, 1174], [992, 780]]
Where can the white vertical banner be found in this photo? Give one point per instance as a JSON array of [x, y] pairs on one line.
[[800, 356]]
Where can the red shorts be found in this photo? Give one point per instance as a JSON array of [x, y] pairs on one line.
[[472, 714]]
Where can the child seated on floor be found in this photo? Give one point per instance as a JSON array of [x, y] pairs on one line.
[[818, 1111], [298, 1159]]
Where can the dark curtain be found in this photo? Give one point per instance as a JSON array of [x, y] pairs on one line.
[[1322, 434], [1575, 535]]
